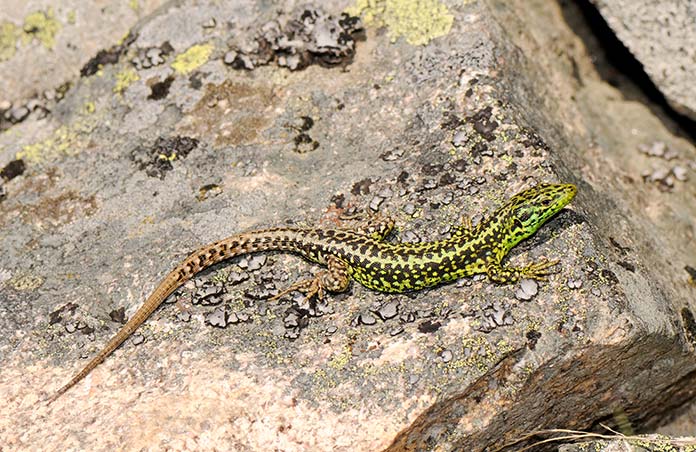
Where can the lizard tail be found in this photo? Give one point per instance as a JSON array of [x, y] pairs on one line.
[[166, 287], [199, 260]]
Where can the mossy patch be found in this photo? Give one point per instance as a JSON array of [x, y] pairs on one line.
[[418, 21], [192, 58], [9, 34], [42, 26]]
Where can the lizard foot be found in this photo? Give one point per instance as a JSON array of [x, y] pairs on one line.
[[538, 270]]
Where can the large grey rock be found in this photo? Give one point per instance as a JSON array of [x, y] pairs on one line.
[[180, 143], [45, 44], [661, 35]]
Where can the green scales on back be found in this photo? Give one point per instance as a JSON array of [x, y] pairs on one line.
[[363, 255]]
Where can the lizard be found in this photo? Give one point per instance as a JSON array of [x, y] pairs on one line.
[[362, 254]]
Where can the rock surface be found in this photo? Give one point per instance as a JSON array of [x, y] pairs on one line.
[[44, 46], [661, 35], [448, 110], [646, 443]]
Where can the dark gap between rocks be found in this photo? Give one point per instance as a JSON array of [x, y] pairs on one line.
[[618, 67]]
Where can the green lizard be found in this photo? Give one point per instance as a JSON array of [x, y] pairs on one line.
[[363, 255]]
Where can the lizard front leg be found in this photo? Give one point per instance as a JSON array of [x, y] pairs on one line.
[[377, 227], [465, 230], [503, 275]]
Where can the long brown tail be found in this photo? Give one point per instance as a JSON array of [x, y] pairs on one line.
[[166, 287], [199, 260]]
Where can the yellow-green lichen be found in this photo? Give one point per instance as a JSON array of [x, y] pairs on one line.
[[220, 277], [66, 140], [134, 5], [26, 282], [340, 360], [418, 21], [192, 58], [42, 26], [480, 356], [89, 108], [72, 17], [124, 79], [9, 33]]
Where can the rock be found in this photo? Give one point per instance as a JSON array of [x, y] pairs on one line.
[[108, 204], [660, 34]]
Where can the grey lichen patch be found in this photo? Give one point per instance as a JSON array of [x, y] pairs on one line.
[[310, 36], [671, 167], [36, 107], [149, 57], [157, 160], [477, 354]]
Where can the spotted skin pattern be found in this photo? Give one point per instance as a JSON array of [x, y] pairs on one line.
[[363, 255]]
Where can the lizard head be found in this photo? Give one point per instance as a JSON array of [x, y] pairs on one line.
[[529, 209]]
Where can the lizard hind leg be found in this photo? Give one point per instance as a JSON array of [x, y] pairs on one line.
[[334, 279]]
